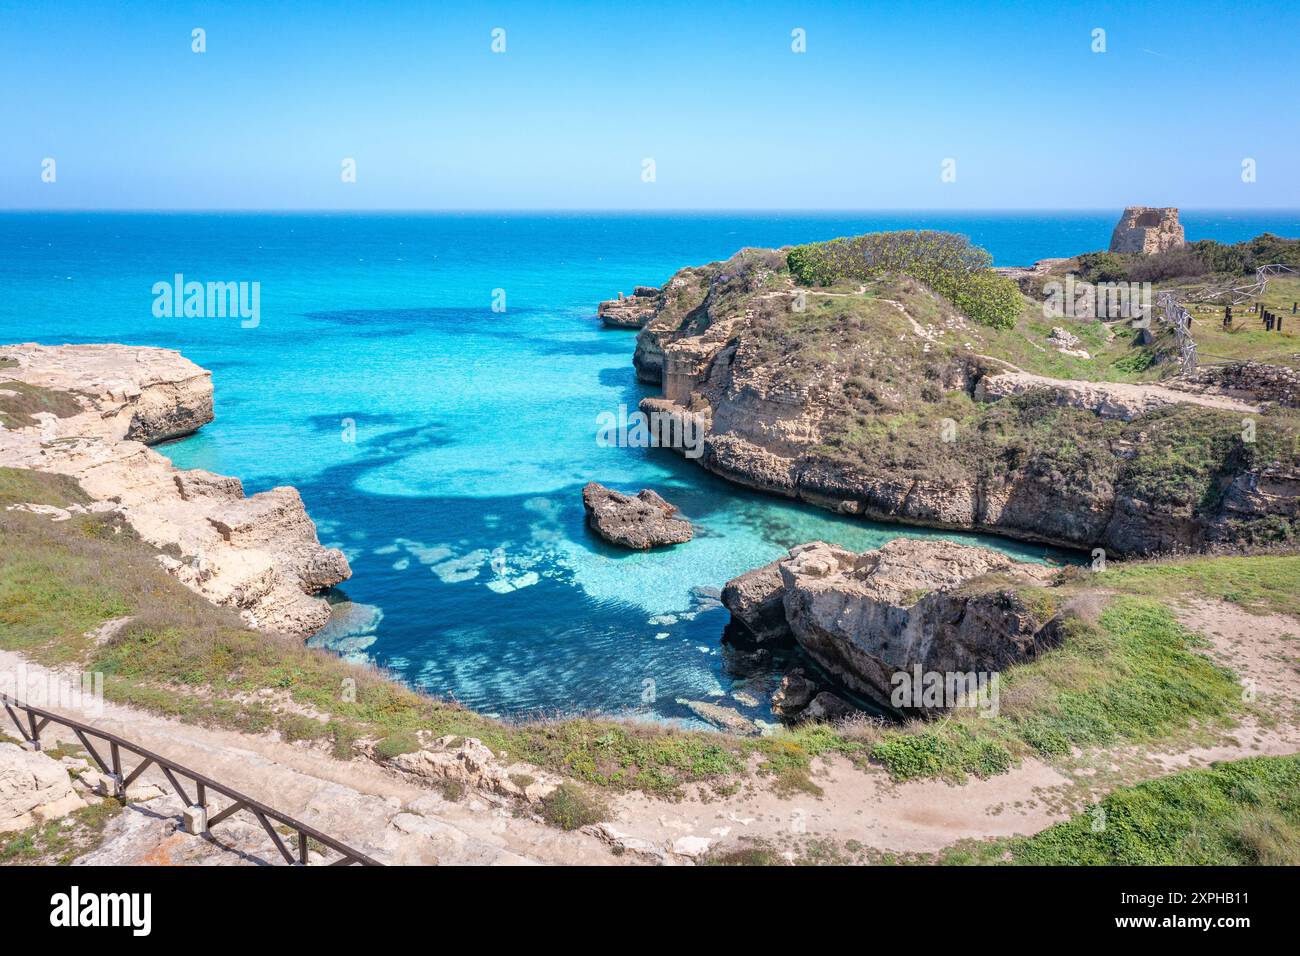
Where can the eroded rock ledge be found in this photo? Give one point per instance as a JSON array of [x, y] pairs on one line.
[[854, 421], [259, 554], [939, 606]]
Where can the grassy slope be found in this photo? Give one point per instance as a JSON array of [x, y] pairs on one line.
[[183, 657], [1244, 812], [891, 394], [1129, 675], [1132, 676]]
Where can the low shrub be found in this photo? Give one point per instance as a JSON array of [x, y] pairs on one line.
[[947, 262]]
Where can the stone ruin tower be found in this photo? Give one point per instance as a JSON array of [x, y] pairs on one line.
[[1146, 229]]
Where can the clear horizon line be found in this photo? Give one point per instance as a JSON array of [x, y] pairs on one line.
[[433, 210]]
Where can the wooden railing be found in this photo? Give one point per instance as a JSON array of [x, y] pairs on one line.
[[38, 719]]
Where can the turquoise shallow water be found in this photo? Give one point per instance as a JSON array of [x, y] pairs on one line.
[[458, 503]]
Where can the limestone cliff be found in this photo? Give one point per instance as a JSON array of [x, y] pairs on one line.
[[934, 606], [883, 400], [90, 412]]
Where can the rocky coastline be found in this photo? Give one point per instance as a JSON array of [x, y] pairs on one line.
[[897, 408], [90, 412], [865, 619]]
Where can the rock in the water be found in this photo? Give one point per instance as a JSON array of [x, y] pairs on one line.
[[631, 312], [754, 599], [639, 522], [34, 787], [724, 718], [794, 694], [1146, 230]]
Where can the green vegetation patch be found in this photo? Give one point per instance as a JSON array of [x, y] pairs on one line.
[[946, 262], [58, 842], [1239, 813], [39, 488], [1259, 584], [1205, 257], [1133, 676], [19, 401], [570, 808]]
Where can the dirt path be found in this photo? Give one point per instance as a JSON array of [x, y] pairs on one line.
[[866, 807], [354, 801], [398, 822], [1134, 396]]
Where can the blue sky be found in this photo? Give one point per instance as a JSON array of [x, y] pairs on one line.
[[586, 92]]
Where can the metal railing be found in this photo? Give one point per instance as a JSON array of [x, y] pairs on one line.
[[38, 719], [1174, 313], [1237, 293]]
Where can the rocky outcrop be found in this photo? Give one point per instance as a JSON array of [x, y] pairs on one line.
[[939, 606], [1252, 381], [631, 312], [468, 762], [1145, 230], [258, 554], [856, 422], [133, 394], [33, 788], [754, 599], [1067, 343], [638, 521]]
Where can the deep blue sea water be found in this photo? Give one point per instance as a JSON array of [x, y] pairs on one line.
[[458, 503]]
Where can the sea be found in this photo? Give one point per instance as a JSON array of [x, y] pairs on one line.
[[434, 385]]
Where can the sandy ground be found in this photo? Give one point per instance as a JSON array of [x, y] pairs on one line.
[[926, 816], [864, 810]]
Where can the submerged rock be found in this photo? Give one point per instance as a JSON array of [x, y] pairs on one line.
[[639, 522], [724, 718]]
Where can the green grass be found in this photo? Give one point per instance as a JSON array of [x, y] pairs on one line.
[[402, 742], [19, 401], [1240, 813], [571, 808], [58, 842], [1134, 676], [39, 488], [1262, 583], [946, 262]]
